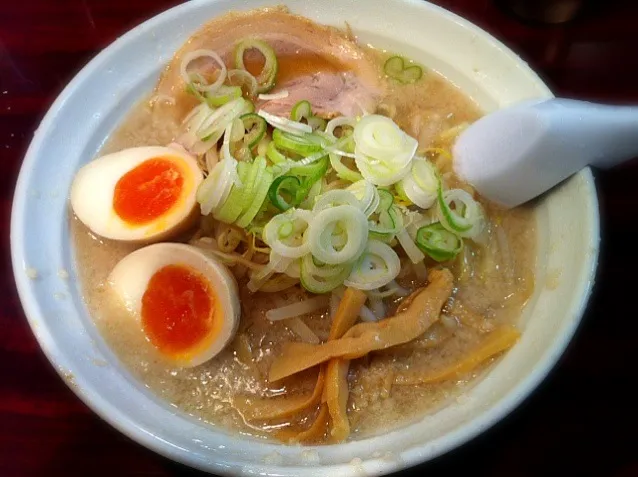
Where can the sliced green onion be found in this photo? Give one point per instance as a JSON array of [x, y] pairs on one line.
[[377, 266], [395, 68], [317, 123], [385, 199], [232, 207], [380, 137], [274, 155], [262, 145], [249, 107], [194, 119], [223, 95], [343, 172], [311, 172], [217, 186], [335, 198], [304, 145], [351, 221], [253, 183], [285, 230], [214, 125], [415, 220], [191, 89], [466, 218], [383, 152], [290, 244], [228, 135], [272, 97], [237, 131], [191, 123], [200, 84], [335, 149], [237, 200], [264, 180], [268, 74], [296, 188], [285, 124], [243, 154], [420, 186], [282, 168], [322, 278], [313, 193], [383, 172], [243, 79], [367, 195], [438, 242], [255, 127], [250, 183], [386, 221], [301, 110], [341, 122], [285, 192]]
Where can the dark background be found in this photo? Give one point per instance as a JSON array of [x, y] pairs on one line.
[[583, 419]]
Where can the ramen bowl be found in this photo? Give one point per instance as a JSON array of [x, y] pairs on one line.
[[96, 101]]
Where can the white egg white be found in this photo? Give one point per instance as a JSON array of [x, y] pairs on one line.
[[93, 190], [130, 278]]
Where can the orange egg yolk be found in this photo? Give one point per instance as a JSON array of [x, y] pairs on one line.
[[178, 310], [291, 66], [148, 191]]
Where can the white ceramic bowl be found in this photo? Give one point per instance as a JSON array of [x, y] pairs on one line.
[[97, 99]]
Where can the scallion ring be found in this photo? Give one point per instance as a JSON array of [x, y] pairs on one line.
[[302, 144], [301, 110], [262, 184], [395, 68], [367, 194], [460, 213], [351, 220], [243, 79], [288, 243], [255, 127], [223, 95], [232, 208], [217, 186], [200, 84], [383, 152], [438, 242], [286, 192], [376, 267], [335, 198], [322, 278], [268, 74], [213, 127], [420, 186]]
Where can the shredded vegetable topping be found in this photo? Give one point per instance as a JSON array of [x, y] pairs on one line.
[[332, 196]]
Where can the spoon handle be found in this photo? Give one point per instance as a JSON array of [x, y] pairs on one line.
[[517, 153], [604, 135]]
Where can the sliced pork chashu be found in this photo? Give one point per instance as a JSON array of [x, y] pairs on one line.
[[318, 63]]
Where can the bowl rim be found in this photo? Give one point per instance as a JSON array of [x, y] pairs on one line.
[[118, 420]]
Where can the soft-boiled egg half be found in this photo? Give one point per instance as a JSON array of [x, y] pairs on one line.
[[139, 194], [186, 301]]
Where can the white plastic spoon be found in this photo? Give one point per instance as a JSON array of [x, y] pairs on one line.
[[517, 153]]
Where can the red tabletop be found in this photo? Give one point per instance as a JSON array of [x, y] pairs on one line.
[[582, 421]]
